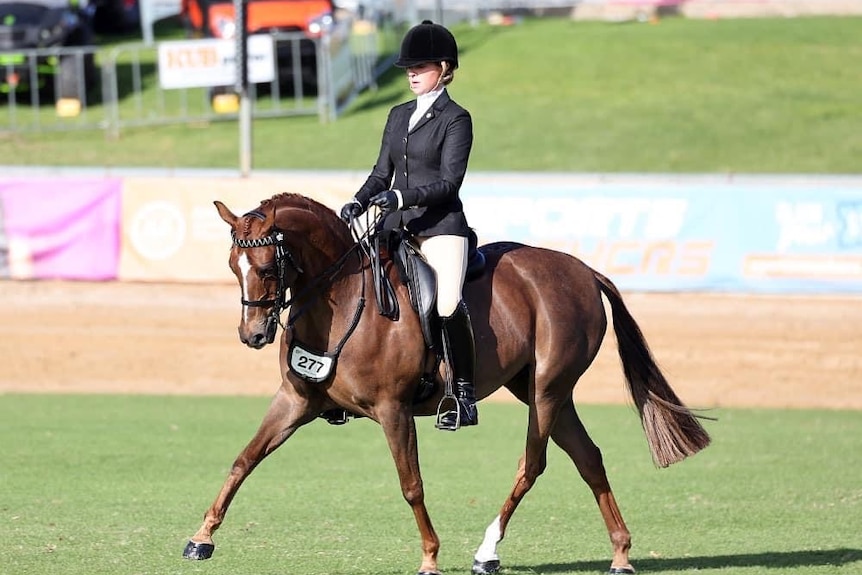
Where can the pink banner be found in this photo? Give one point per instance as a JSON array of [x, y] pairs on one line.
[[60, 228]]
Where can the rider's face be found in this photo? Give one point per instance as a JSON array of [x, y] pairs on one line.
[[424, 77]]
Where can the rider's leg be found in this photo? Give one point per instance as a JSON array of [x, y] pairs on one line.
[[458, 338], [448, 256]]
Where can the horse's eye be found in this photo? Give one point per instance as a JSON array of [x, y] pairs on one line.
[[268, 273]]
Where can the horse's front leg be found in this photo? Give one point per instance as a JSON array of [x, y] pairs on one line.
[[287, 412], [531, 465], [400, 430]]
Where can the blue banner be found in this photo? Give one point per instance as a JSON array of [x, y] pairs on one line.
[[792, 235]]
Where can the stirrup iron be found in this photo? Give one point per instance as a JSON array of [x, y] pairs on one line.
[[448, 398]]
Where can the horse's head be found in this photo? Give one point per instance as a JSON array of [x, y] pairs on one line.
[[274, 246], [264, 270]]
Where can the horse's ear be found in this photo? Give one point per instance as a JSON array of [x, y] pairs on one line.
[[226, 214]]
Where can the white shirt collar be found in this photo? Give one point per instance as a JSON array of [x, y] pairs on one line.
[[425, 100], [423, 104]]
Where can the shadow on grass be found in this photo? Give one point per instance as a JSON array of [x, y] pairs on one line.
[[767, 560]]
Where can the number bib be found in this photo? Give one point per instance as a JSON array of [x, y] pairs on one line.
[[310, 366]]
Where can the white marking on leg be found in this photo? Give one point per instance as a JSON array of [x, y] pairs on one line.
[[244, 268], [488, 549]]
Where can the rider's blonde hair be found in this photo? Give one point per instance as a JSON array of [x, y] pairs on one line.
[[447, 75]]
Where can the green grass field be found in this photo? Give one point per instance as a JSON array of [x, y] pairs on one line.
[[750, 96], [93, 485]]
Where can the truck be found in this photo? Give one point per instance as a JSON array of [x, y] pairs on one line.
[[311, 18]]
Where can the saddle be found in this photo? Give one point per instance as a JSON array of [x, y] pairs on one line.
[[401, 248]]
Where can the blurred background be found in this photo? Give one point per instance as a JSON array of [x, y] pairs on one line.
[[675, 145]]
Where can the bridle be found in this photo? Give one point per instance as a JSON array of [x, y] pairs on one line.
[[283, 257], [285, 262]]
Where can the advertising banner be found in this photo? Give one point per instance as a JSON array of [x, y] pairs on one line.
[[59, 228], [750, 235], [653, 235], [212, 62], [172, 231]]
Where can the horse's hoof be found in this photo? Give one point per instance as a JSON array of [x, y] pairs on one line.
[[198, 551], [621, 571], [486, 567]]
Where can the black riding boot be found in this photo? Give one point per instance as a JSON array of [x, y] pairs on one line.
[[461, 354]]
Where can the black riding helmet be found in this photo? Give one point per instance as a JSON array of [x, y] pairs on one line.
[[427, 42]]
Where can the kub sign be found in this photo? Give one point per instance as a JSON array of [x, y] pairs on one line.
[[211, 62]]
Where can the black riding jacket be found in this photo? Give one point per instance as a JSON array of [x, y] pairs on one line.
[[427, 165]]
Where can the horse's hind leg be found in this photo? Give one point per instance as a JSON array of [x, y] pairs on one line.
[[569, 433], [285, 415]]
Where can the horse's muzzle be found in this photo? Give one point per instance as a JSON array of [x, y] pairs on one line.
[[256, 341], [258, 338]]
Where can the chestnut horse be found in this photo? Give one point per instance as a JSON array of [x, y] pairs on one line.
[[538, 318]]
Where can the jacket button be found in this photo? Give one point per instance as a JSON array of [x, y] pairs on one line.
[[404, 140]]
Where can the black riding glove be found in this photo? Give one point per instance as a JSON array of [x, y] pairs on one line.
[[351, 210], [386, 201]]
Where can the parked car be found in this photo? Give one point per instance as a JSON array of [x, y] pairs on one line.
[[216, 19], [116, 16], [27, 25]]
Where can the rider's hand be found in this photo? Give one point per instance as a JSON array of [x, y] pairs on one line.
[[386, 201], [351, 210]]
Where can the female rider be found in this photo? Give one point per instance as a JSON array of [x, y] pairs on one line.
[[422, 162]]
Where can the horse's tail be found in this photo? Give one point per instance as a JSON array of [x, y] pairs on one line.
[[672, 430]]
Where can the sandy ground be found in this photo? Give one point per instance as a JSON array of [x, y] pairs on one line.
[[717, 350]]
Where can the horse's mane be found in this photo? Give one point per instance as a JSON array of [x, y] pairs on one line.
[[299, 201], [246, 227]]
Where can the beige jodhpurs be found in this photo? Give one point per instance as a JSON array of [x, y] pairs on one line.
[[448, 256]]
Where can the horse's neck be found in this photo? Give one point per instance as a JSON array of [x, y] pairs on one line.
[[326, 306]]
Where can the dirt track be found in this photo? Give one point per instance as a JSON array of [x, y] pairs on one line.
[[717, 350]]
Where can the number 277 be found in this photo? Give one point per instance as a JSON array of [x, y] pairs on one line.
[[310, 364]]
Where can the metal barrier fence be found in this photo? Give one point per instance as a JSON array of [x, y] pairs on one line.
[[87, 88], [454, 11]]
